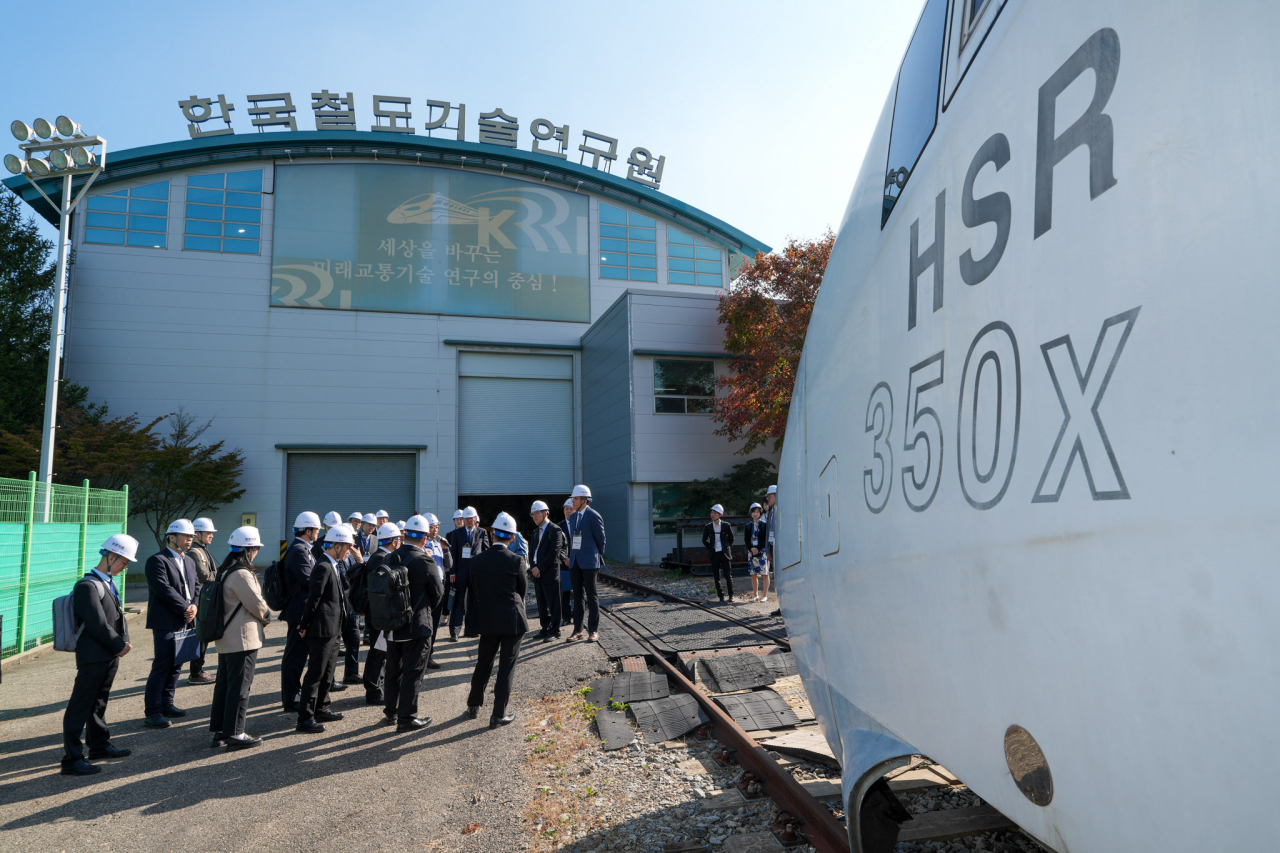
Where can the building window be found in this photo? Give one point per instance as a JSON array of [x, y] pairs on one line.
[[628, 245], [691, 261], [134, 217], [683, 387], [224, 212], [665, 503]]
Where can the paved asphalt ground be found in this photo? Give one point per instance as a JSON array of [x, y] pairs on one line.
[[358, 786]]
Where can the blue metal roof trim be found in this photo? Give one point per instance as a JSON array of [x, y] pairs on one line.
[[395, 147]]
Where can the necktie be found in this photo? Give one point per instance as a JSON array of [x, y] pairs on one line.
[[114, 591]]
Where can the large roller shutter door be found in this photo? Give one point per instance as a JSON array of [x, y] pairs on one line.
[[346, 482], [515, 436]]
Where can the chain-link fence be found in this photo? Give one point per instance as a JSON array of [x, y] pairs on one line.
[[49, 537]]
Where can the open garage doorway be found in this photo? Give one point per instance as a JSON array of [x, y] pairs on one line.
[[517, 505]]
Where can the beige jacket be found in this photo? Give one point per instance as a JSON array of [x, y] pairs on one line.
[[244, 630]]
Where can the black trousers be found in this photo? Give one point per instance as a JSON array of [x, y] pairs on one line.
[[566, 604], [88, 707], [491, 645], [231, 692], [461, 601], [584, 587], [197, 665], [351, 645], [322, 663], [292, 664], [375, 662], [162, 683], [405, 664], [448, 587], [548, 593], [720, 565]]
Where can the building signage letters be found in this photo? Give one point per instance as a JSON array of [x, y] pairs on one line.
[[393, 114]]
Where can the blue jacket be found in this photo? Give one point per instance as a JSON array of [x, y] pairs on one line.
[[298, 563], [591, 526], [165, 599]]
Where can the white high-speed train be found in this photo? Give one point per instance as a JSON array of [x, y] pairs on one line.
[[1029, 495]]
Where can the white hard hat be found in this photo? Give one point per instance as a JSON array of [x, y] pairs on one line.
[[204, 525], [755, 506], [370, 518], [538, 506], [124, 545], [382, 513], [717, 508], [182, 526], [417, 524], [307, 519], [341, 533], [431, 518], [332, 519], [505, 523], [470, 512], [581, 492], [357, 515], [388, 531], [457, 513], [569, 502], [245, 537], [400, 525], [773, 490]]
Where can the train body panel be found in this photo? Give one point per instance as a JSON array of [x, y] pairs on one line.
[[1045, 496]]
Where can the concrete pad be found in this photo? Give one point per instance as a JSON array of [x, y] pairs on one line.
[[696, 767], [752, 842], [730, 799], [823, 789]]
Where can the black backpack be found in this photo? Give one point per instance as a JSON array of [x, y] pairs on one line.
[[387, 591], [273, 589], [210, 624], [358, 595]]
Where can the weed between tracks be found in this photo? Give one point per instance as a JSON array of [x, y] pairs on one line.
[[571, 800]]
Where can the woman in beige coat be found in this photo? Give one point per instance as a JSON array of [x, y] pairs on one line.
[[245, 612]]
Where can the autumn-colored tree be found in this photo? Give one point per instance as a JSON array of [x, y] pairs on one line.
[[765, 316]]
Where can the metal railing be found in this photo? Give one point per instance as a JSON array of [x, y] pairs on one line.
[[40, 561]]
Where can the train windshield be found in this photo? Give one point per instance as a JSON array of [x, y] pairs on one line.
[[915, 107]]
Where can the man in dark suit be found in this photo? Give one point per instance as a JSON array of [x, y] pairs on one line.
[[717, 538], [298, 563], [566, 580], [498, 583], [586, 558], [473, 541], [375, 660], [408, 647], [546, 549], [173, 588], [320, 625], [102, 640], [458, 524]]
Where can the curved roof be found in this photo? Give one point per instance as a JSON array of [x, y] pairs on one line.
[[134, 163]]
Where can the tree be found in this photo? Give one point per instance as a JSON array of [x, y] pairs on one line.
[[182, 478], [736, 491], [26, 297], [108, 452], [765, 316]]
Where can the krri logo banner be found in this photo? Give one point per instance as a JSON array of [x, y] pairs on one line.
[[428, 241]]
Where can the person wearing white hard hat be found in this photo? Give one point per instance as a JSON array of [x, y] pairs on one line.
[[771, 519], [245, 612], [381, 517], [443, 557], [586, 558], [717, 538], [368, 533], [411, 643], [321, 623], [173, 588], [376, 658], [545, 550], [102, 641], [756, 537], [566, 580], [206, 568], [473, 542], [498, 588], [299, 560], [459, 524]]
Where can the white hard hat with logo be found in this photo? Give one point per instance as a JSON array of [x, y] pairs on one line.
[[505, 523], [382, 513], [417, 524], [332, 519], [370, 518], [400, 524], [756, 506], [470, 512], [182, 526], [773, 490], [245, 537], [431, 518], [307, 519], [341, 533], [123, 544], [568, 502], [357, 515], [204, 525], [388, 531], [538, 506], [457, 513], [581, 491], [716, 508]]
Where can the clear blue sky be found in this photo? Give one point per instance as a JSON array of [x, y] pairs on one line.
[[763, 110]]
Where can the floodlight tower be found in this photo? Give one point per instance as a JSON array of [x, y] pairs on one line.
[[68, 155]]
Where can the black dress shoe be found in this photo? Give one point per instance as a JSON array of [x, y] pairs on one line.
[[473, 711], [328, 716], [337, 687], [412, 725], [217, 740], [310, 727], [289, 708], [243, 742], [80, 768], [453, 638], [352, 679], [173, 711], [494, 722], [156, 721], [110, 751], [387, 720], [373, 699], [431, 664]]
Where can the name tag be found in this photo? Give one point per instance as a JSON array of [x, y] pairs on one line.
[[577, 542], [770, 537], [466, 552]]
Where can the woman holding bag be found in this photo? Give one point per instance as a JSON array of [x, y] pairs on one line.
[[246, 612]]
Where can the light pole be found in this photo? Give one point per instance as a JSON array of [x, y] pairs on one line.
[[68, 155]]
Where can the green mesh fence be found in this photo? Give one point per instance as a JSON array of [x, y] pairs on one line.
[[40, 560]]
